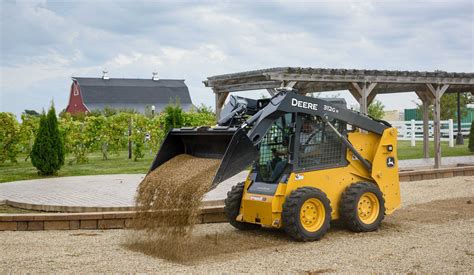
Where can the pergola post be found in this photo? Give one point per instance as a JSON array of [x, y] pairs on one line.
[[437, 92], [426, 100], [220, 100], [365, 95], [459, 137]]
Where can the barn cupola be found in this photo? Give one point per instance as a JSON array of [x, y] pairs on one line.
[[155, 76], [105, 75]]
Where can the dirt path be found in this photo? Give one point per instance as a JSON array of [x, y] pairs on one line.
[[433, 232]]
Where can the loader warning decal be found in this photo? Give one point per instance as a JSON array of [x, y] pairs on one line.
[[390, 162]]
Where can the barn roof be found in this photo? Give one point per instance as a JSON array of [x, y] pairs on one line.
[[126, 93]]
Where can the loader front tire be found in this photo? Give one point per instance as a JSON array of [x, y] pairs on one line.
[[232, 208], [306, 214], [362, 207]]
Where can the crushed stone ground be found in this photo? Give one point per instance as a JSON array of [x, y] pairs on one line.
[[432, 232]]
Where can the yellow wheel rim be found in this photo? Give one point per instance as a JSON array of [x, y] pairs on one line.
[[368, 208], [312, 215]]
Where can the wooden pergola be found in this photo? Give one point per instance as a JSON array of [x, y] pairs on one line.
[[364, 85]]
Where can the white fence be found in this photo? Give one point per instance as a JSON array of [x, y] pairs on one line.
[[413, 130]]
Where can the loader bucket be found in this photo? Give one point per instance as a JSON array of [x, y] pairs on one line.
[[231, 145]]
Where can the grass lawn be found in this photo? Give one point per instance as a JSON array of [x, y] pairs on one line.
[[116, 164], [119, 164], [405, 151]]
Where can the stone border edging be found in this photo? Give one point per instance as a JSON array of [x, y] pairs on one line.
[[82, 209], [439, 173], [121, 219], [91, 220]]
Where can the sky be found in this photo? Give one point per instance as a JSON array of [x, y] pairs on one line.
[[45, 43]]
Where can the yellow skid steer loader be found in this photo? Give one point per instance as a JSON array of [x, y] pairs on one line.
[[311, 161]]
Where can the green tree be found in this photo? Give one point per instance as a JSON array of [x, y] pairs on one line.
[[55, 136], [31, 112], [48, 150], [173, 117], [202, 116], [376, 109], [156, 131], [116, 132], [28, 129], [9, 137], [471, 138], [139, 123], [449, 106]]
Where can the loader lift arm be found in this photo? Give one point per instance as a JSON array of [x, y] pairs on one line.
[[291, 102]]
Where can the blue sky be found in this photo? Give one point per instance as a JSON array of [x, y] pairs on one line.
[[44, 43]]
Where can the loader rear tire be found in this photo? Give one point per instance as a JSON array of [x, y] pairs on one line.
[[232, 208], [306, 214], [362, 207]]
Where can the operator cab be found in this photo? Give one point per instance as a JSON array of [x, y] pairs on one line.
[[296, 142]]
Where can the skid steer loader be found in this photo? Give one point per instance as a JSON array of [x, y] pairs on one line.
[[311, 161]]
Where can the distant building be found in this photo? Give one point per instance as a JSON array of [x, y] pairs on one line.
[[392, 115], [88, 94], [416, 114]]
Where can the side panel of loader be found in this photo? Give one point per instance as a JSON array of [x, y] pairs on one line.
[[385, 170], [375, 148]]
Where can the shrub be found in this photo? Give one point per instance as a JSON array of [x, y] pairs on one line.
[[376, 109], [202, 116], [139, 123], [28, 129], [471, 138], [9, 137], [173, 117], [155, 129], [48, 150], [55, 136]]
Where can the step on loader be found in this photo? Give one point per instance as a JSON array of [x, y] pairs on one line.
[[310, 161]]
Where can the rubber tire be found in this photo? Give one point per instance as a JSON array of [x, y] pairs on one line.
[[291, 214], [349, 205], [232, 208]]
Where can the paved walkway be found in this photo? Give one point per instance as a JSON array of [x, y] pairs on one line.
[[106, 191], [445, 161]]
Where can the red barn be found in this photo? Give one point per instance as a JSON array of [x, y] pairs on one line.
[[89, 94]]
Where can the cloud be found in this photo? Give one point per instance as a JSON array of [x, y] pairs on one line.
[[44, 43]]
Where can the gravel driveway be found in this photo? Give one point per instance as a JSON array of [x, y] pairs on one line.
[[433, 232]]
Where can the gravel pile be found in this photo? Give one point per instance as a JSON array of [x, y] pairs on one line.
[[432, 232]]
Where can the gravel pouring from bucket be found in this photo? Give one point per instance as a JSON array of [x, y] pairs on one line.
[[229, 144]]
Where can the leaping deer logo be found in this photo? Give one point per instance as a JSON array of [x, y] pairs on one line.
[[390, 162]]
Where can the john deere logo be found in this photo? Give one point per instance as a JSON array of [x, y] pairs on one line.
[[390, 162]]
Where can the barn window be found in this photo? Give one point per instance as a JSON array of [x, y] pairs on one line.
[[76, 91]]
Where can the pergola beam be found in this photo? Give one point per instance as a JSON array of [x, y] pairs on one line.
[[367, 78], [249, 86]]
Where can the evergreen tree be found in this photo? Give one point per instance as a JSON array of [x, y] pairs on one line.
[[471, 138], [48, 151], [56, 140]]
